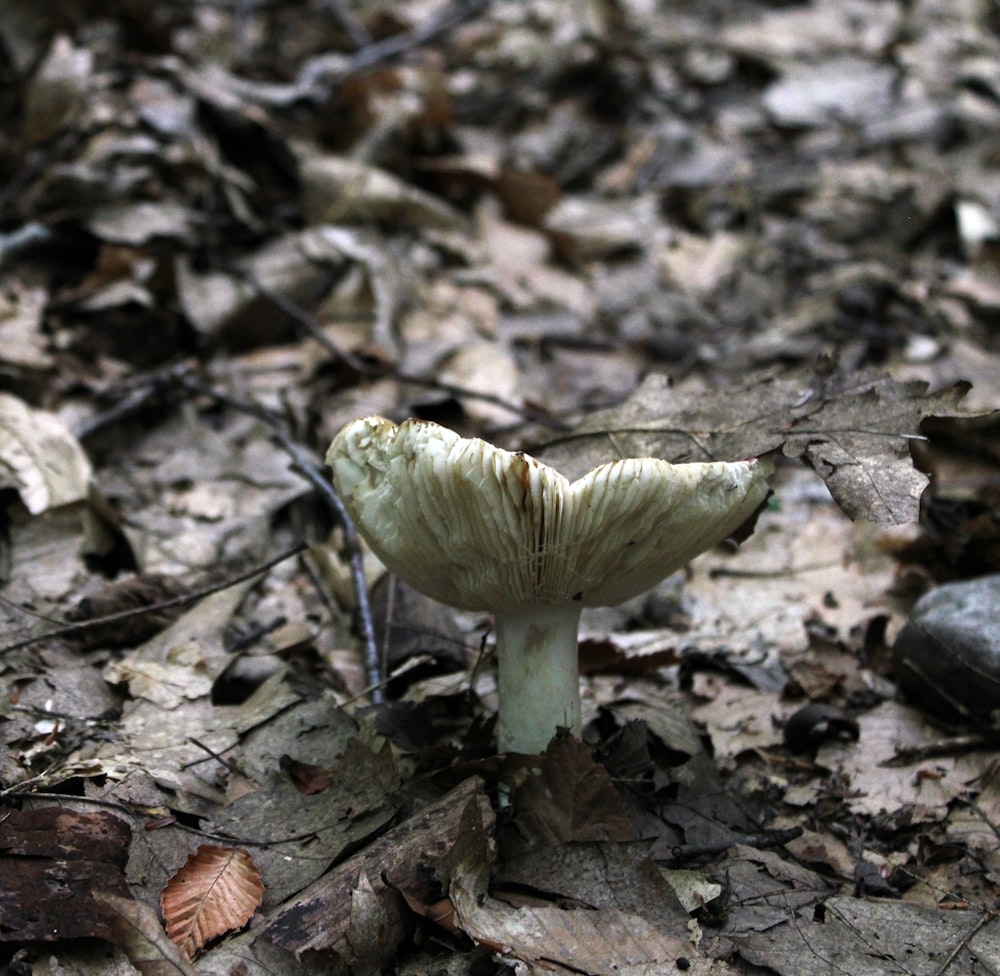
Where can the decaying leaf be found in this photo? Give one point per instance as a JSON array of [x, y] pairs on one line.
[[22, 340], [339, 190], [854, 431], [216, 891], [165, 684], [230, 306], [308, 777], [571, 799], [850, 935], [218, 218], [138, 931], [40, 457], [58, 89], [606, 941], [133, 593]]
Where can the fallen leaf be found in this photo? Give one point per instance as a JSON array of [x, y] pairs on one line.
[[133, 593], [138, 931], [853, 430], [605, 942], [167, 684], [571, 799], [216, 891], [336, 190], [40, 457], [23, 342], [308, 777], [418, 854], [58, 89]]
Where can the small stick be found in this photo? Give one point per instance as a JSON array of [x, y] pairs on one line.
[[769, 838], [373, 669], [358, 33], [309, 470], [951, 746], [365, 368], [176, 601], [392, 47], [143, 389]]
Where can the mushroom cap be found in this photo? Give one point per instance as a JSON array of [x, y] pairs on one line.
[[480, 528]]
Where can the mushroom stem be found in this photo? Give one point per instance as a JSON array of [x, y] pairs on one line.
[[539, 676]]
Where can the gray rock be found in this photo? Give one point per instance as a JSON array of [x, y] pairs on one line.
[[947, 658]]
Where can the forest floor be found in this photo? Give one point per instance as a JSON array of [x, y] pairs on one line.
[[582, 230]]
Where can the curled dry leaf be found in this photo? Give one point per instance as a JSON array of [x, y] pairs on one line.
[[58, 90], [853, 428], [40, 457], [216, 891]]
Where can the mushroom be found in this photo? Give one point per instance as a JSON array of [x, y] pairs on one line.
[[480, 528]]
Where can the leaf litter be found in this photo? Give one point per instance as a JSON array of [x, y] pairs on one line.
[[587, 232]]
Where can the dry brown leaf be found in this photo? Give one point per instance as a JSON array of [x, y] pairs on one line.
[[607, 941], [481, 365], [138, 931], [58, 89], [854, 430], [880, 786], [339, 190], [589, 229], [133, 593], [168, 684], [361, 894], [518, 268], [22, 340], [216, 891], [142, 221], [308, 777], [229, 306], [571, 800]]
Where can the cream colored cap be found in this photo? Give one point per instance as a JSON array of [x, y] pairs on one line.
[[481, 528]]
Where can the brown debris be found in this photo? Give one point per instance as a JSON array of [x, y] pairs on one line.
[[585, 231], [57, 864]]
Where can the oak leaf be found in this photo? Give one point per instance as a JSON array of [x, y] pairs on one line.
[[854, 430]]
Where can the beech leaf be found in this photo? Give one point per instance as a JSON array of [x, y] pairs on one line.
[[216, 891]]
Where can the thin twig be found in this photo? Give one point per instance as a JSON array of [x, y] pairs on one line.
[[762, 841], [142, 390], [964, 942], [952, 746], [392, 47], [182, 600], [309, 470], [212, 754], [369, 368], [356, 31]]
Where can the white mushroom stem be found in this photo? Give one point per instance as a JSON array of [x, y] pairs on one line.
[[539, 676]]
